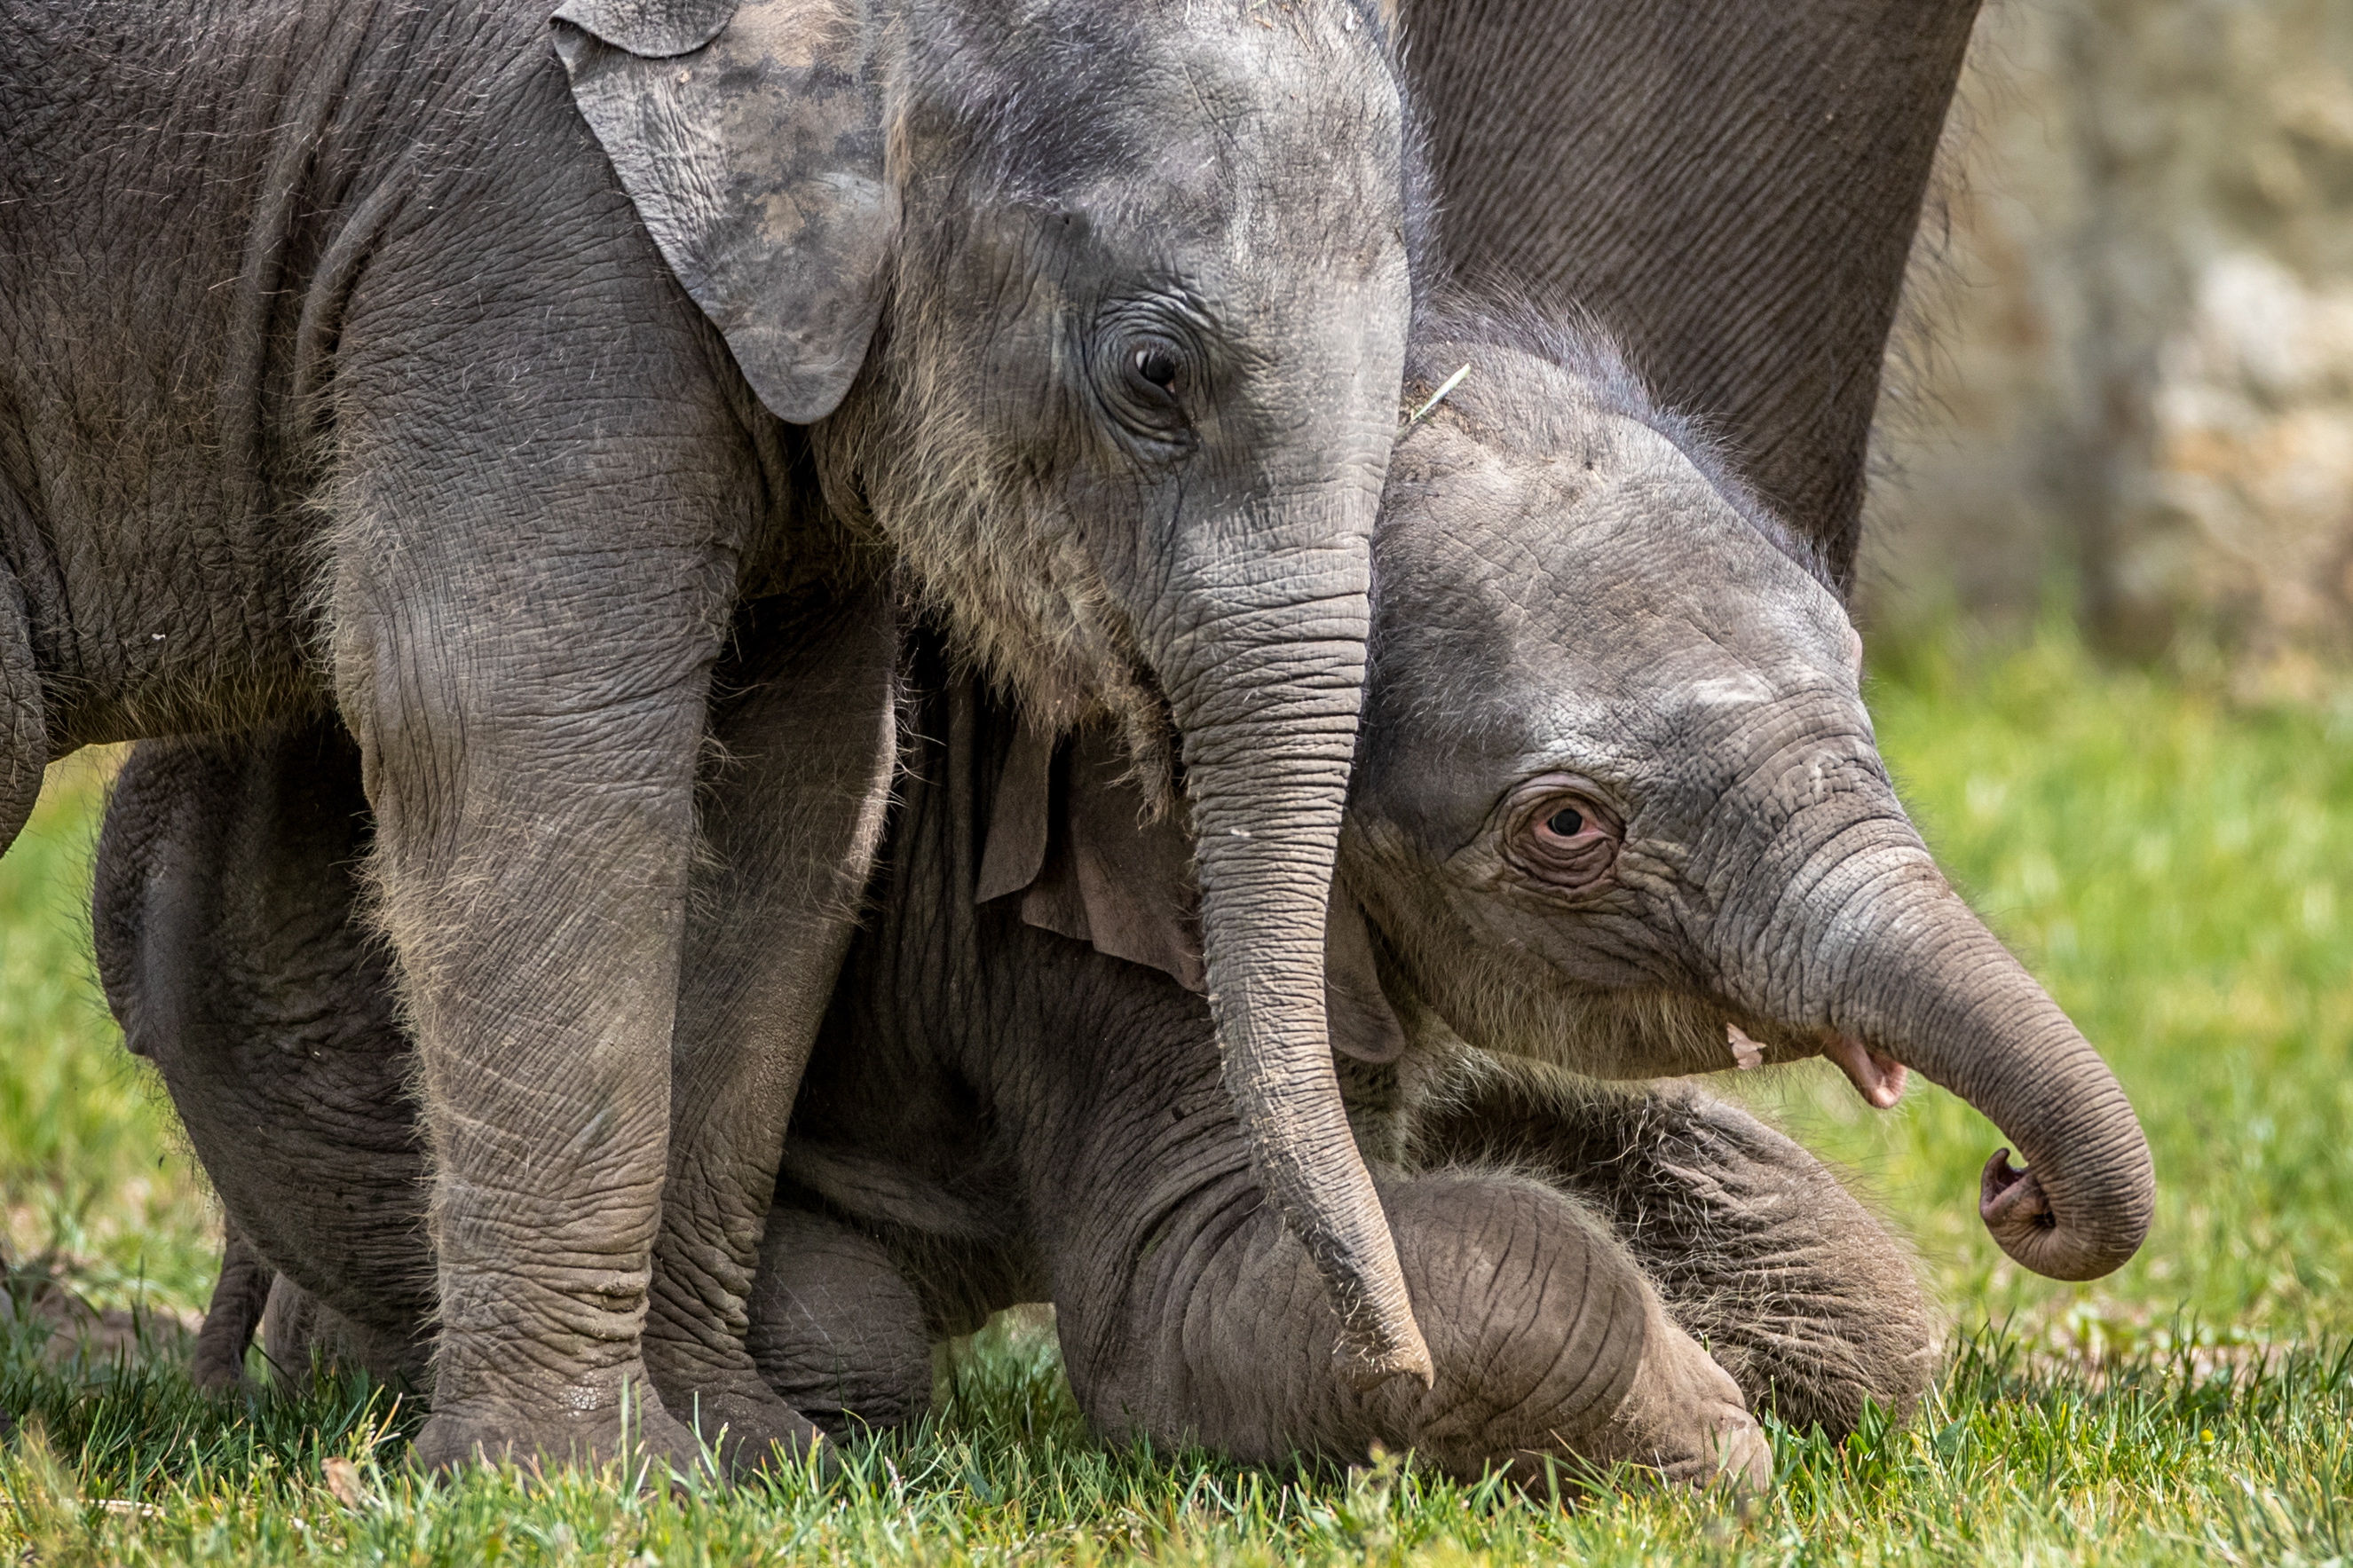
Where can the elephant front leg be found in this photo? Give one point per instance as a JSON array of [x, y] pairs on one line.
[[791, 818], [1552, 1353], [529, 747], [1756, 1248]]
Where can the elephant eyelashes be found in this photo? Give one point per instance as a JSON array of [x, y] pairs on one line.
[[1560, 836]]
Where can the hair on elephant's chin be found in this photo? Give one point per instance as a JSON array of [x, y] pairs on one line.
[[1608, 1033]]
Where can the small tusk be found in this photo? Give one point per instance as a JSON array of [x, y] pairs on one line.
[[1745, 1052]]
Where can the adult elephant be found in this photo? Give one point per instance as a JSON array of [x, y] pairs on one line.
[[383, 359]]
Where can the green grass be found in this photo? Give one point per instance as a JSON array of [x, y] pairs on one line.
[[2179, 872], [94, 1172]]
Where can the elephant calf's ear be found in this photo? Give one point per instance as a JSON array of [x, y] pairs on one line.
[[749, 137], [1363, 1024]]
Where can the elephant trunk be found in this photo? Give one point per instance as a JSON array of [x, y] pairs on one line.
[[1269, 720], [1906, 967]]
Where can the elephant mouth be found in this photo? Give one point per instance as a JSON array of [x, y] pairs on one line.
[[1879, 1078], [1629, 1032]]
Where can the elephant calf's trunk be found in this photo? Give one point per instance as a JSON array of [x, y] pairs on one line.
[[1934, 989]]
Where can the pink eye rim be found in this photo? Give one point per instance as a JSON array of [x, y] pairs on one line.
[[1559, 832], [1566, 822]]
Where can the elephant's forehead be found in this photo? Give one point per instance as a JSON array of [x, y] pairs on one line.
[[1245, 135], [1624, 596], [1637, 565]]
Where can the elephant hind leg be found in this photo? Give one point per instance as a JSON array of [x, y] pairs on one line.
[[239, 1296], [1758, 1249]]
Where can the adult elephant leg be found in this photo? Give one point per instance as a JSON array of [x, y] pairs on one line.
[[1757, 1249], [1731, 190], [836, 1327], [790, 821]]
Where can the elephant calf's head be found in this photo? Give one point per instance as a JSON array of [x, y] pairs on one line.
[[1619, 803]]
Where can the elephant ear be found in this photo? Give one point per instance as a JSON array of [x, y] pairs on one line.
[[1362, 1022], [1067, 832], [749, 137]]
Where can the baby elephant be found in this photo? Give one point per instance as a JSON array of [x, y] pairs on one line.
[[1616, 798], [996, 1113]]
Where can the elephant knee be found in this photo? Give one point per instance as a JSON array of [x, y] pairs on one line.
[[835, 1328], [1550, 1344]]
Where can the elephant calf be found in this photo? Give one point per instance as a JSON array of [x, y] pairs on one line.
[[996, 1113]]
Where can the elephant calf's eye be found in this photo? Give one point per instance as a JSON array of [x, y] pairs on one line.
[[1157, 366], [1144, 374], [1560, 836]]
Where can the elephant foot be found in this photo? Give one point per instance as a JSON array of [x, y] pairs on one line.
[[635, 1429], [1683, 1415], [751, 1427]]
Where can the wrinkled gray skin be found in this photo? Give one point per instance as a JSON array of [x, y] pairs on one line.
[[1047, 1124], [416, 364], [1578, 612], [1731, 191]]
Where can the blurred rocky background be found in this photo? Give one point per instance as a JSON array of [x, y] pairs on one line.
[[2126, 388]]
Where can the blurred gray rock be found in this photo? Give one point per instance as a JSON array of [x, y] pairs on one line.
[[2132, 346]]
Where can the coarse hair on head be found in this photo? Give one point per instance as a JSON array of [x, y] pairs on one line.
[[1527, 411]]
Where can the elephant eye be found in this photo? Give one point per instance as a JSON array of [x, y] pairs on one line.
[[1158, 366], [1155, 371], [1561, 837]]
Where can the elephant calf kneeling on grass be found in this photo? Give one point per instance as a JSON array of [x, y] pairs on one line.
[[1616, 807]]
